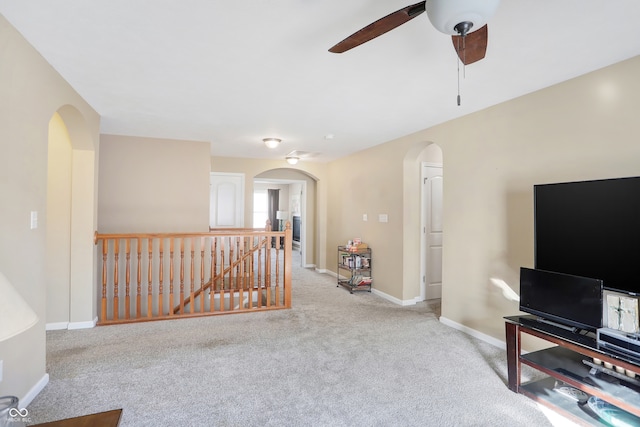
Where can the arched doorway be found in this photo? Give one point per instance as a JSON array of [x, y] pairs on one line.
[[299, 200], [70, 221]]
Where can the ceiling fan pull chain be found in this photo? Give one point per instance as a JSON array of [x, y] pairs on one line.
[[458, 64]]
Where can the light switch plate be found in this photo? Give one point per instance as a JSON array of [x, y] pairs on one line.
[[383, 218], [364, 217], [34, 220], [0, 371]]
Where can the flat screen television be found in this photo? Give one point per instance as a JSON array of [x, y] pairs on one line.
[[564, 299], [590, 229]]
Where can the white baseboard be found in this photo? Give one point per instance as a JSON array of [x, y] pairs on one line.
[[35, 390], [323, 271], [56, 326], [83, 325], [476, 334], [394, 300]]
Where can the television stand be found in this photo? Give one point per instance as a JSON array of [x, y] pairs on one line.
[[565, 362]]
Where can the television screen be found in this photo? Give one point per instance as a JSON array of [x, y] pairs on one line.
[[590, 229], [566, 299]]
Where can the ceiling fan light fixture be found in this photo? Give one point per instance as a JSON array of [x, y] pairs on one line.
[[271, 142], [292, 160], [445, 15]]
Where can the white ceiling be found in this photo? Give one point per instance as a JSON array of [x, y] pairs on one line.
[[234, 72]]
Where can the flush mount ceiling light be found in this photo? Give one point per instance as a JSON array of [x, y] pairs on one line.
[[292, 160], [272, 142]]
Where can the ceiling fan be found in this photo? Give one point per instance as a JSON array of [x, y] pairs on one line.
[[464, 20]]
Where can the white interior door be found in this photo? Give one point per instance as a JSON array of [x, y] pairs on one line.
[[226, 201], [431, 265]]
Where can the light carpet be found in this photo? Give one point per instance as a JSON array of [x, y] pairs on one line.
[[334, 359]]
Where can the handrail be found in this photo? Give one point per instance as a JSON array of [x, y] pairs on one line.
[[206, 273]]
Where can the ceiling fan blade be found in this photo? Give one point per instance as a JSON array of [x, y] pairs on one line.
[[379, 27], [473, 47]]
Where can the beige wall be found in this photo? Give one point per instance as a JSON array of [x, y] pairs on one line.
[[153, 185], [585, 128], [30, 93]]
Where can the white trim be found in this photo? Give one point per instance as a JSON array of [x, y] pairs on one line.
[[56, 326], [324, 271], [83, 325], [35, 390], [476, 334], [394, 300]]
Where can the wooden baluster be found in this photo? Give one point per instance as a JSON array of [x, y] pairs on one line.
[[267, 271], [171, 276], [250, 285], [202, 292], [182, 275], [240, 275], [222, 275], [150, 278], [105, 251], [116, 256], [161, 277], [212, 289], [261, 249], [232, 290], [192, 277], [139, 278], [127, 301]]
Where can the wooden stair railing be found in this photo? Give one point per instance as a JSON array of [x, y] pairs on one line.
[[216, 272]]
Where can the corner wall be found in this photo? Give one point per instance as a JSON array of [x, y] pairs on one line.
[[31, 91]]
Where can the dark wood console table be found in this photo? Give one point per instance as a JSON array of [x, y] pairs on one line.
[[565, 362]]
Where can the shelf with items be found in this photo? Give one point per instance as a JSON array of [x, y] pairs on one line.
[[354, 267], [580, 381]]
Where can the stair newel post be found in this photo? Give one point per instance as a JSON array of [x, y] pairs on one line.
[[139, 278], [161, 276], [171, 276], [127, 296], [192, 276], [116, 256], [150, 277], [105, 251], [288, 242], [182, 275], [202, 293]]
